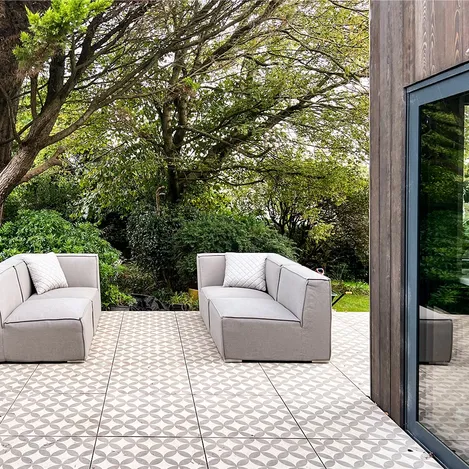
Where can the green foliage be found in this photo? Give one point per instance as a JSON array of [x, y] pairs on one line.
[[296, 81], [166, 243], [46, 231], [322, 205], [183, 298], [224, 233], [151, 239], [48, 31], [357, 288], [116, 297], [133, 279], [54, 190]]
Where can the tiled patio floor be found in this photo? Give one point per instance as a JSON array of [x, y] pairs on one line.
[[155, 394]]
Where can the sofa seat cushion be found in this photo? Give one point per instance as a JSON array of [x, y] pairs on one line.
[[257, 329], [49, 330], [51, 310], [251, 308], [233, 292], [86, 293], [207, 294]]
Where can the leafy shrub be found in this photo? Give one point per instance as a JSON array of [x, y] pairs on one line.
[[224, 233], [133, 279], [52, 190], [183, 298], [166, 244], [117, 297], [150, 236], [46, 231]]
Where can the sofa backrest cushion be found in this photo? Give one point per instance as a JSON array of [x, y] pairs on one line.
[[26, 284], [273, 265], [294, 280], [81, 270], [245, 270], [210, 270], [10, 292]]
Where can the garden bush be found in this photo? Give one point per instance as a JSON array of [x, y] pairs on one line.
[[53, 190], [150, 236], [45, 231], [166, 243], [133, 279], [224, 233]]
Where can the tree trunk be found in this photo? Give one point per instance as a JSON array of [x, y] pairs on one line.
[[174, 188], [13, 20]]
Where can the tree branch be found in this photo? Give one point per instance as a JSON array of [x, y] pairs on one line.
[[54, 160]]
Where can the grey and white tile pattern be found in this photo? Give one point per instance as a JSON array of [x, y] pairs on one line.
[[155, 393], [54, 414], [21, 452], [236, 453], [138, 453]]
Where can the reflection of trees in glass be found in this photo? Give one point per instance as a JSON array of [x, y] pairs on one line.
[[443, 241]]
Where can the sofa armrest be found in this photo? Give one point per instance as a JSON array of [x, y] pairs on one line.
[[210, 269], [305, 293], [81, 270]]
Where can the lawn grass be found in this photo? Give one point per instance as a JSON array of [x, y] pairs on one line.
[[353, 303]]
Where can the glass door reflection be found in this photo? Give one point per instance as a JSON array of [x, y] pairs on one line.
[[444, 272]]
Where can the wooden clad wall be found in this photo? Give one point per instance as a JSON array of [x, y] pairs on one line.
[[410, 41]]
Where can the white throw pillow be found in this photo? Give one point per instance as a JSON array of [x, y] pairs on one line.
[[245, 270], [45, 271]]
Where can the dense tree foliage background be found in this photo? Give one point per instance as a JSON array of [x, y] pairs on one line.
[[194, 119]]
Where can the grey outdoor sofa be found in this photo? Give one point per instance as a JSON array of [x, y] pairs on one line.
[[289, 322], [435, 337], [56, 326]]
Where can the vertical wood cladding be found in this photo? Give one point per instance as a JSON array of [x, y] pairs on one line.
[[410, 41]]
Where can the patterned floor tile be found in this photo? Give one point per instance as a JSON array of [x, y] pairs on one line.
[[68, 378], [149, 418], [368, 454], [138, 453], [345, 418], [245, 416], [233, 378], [6, 400], [158, 415], [201, 356], [260, 454], [310, 380], [13, 377], [54, 415], [45, 452], [164, 380]]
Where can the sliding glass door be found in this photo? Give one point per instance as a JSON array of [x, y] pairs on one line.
[[438, 266]]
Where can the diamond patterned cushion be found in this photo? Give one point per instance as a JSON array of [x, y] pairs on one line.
[[45, 272], [245, 270]]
